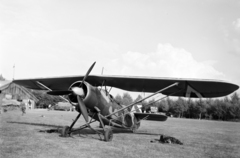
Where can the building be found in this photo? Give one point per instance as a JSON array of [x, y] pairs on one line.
[[11, 93]]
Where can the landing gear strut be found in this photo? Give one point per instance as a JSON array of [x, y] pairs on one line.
[[108, 135], [107, 132], [65, 131]]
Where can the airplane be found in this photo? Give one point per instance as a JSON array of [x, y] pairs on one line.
[[91, 98]]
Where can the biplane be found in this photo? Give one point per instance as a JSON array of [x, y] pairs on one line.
[[95, 103]]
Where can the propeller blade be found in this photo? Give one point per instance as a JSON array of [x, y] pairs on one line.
[[65, 92], [88, 72], [83, 108]]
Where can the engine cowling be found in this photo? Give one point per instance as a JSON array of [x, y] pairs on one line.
[[72, 97], [91, 98]]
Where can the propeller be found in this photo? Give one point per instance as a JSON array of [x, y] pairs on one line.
[[83, 108], [88, 72], [66, 92], [79, 92]]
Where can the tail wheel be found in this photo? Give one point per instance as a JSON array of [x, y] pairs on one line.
[[65, 131], [108, 135]]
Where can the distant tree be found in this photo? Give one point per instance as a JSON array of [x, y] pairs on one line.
[[178, 107], [182, 106], [45, 99], [171, 105], [189, 103], [139, 97], [163, 106], [193, 110], [209, 103], [152, 102], [223, 109], [2, 78], [127, 100], [235, 108], [119, 99], [227, 106], [217, 109], [235, 98], [201, 108]]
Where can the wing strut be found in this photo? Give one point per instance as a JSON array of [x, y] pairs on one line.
[[175, 84], [39, 83], [162, 98]]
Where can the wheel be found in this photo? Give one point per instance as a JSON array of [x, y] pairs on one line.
[[65, 131], [134, 128], [108, 135], [136, 125]]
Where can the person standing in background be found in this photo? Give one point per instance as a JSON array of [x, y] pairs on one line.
[[22, 107]]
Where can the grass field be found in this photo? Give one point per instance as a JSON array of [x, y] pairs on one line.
[[24, 136]]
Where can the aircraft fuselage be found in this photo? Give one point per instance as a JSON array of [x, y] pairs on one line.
[[100, 98]]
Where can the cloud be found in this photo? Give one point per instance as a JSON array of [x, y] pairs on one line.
[[236, 45], [236, 25], [39, 47], [53, 53], [1, 63], [167, 61], [231, 36]]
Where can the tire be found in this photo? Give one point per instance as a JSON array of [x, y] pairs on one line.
[[108, 135], [134, 129], [65, 131], [136, 125]]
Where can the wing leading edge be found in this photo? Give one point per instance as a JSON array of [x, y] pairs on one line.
[[186, 87]]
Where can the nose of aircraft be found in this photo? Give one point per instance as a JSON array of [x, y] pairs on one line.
[[78, 91]]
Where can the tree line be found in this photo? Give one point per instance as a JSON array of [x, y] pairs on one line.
[[227, 108], [44, 99]]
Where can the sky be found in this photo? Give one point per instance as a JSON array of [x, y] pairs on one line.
[[160, 38]]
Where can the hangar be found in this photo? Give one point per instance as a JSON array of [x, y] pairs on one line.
[[11, 92]]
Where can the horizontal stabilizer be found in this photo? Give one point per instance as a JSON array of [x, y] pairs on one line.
[[150, 116]]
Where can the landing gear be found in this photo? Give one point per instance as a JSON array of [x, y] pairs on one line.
[[136, 125], [108, 135], [65, 131], [107, 132], [134, 129]]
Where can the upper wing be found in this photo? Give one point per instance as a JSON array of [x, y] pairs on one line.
[[186, 88], [56, 83]]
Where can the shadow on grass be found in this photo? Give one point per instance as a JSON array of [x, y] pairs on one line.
[[85, 132], [35, 124]]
